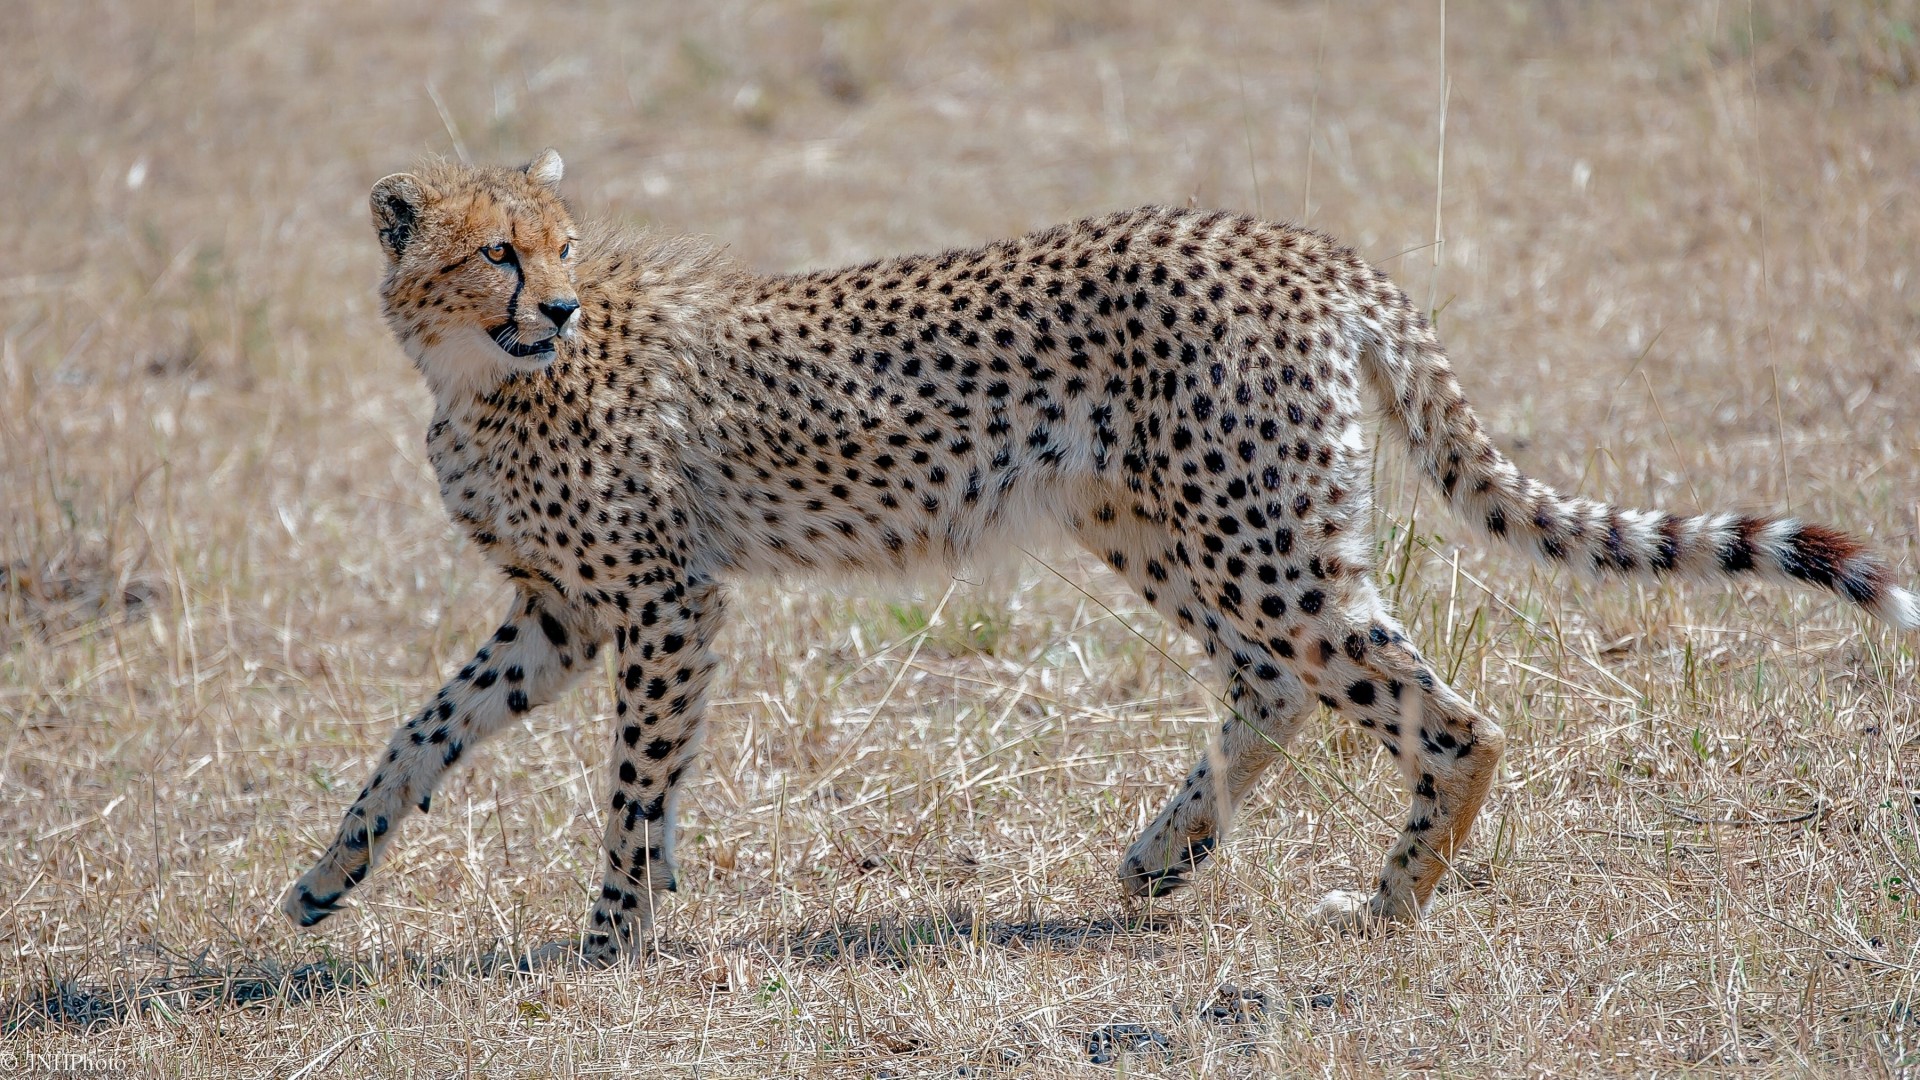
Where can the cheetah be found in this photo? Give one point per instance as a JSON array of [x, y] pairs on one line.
[[625, 424]]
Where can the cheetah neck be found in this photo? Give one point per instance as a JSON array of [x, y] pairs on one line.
[[461, 364]]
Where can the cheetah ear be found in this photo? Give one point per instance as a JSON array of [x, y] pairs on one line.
[[547, 168], [397, 201]]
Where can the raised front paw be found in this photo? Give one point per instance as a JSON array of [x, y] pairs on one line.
[[1155, 868], [317, 894], [306, 909]]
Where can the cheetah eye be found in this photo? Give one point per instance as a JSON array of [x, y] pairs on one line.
[[566, 250], [498, 253]]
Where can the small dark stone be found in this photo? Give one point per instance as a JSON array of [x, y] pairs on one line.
[[1237, 1007], [1104, 1044]]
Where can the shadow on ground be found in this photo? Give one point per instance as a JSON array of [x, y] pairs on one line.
[[194, 983], [240, 983], [908, 941]]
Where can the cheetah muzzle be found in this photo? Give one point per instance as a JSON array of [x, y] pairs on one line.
[[507, 336], [1182, 391]]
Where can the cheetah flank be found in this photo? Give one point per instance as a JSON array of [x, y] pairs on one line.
[[625, 424]]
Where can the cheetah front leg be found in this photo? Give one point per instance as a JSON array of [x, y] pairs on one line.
[[660, 684], [528, 662]]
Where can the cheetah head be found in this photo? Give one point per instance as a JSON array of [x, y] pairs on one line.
[[479, 278]]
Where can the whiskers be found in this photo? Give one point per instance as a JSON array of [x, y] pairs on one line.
[[507, 336]]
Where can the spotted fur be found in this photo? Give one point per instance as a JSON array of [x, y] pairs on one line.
[[1182, 391]]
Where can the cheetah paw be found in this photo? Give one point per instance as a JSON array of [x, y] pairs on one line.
[[1172, 871], [1346, 910], [306, 909]]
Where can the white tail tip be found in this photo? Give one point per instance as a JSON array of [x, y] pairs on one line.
[[1899, 607]]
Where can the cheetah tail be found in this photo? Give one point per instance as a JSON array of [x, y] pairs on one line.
[[1415, 382]]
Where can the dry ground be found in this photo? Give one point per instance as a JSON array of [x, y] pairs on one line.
[[1679, 264]]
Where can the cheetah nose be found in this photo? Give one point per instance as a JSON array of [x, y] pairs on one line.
[[559, 311]]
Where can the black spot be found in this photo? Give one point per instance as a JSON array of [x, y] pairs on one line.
[[552, 628], [1355, 648], [1360, 693]]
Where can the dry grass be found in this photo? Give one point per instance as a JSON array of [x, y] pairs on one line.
[[1679, 267]]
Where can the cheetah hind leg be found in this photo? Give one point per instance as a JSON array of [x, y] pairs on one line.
[[1448, 754]]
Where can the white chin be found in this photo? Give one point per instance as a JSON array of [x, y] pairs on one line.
[[468, 361]]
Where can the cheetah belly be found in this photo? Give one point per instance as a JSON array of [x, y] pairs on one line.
[[932, 529]]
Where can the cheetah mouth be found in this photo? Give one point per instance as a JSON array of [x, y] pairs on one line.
[[507, 336]]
